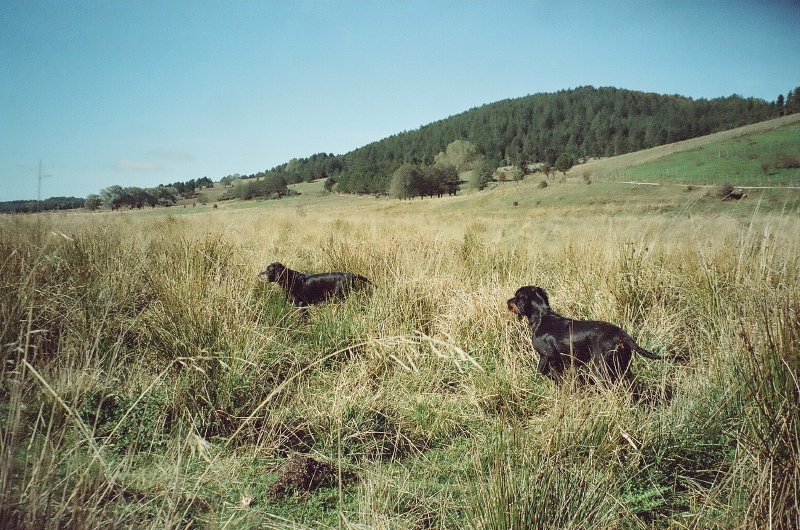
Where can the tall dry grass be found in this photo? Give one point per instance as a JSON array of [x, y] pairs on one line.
[[150, 381]]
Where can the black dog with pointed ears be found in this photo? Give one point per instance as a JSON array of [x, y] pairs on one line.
[[303, 290], [560, 341]]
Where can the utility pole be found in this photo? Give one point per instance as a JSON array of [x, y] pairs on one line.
[[39, 188]]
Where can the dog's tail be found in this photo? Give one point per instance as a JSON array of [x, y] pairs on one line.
[[363, 280], [641, 351]]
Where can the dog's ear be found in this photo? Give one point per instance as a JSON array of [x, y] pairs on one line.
[[522, 301], [541, 293], [532, 302], [273, 271]]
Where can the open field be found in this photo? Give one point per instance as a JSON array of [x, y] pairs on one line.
[[150, 381], [739, 156], [771, 158]]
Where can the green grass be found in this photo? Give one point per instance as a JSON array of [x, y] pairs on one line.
[[770, 158], [717, 147]]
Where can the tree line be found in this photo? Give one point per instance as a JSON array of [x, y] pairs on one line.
[[790, 104], [436, 179], [271, 185], [53, 203], [187, 188], [116, 197]]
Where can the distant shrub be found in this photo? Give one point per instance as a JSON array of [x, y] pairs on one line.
[[787, 162], [727, 192], [724, 190], [273, 186]]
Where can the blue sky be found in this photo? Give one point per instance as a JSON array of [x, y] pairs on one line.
[[140, 93]]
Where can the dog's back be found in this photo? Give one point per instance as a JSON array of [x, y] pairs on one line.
[[325, 285]]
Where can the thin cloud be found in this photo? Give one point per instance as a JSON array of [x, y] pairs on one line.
[[126, 164], [174, 155]]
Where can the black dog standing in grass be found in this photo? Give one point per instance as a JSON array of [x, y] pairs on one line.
[[561, 341], [303, 290]]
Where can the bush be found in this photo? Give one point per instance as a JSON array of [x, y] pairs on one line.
[[723, 191], [788, 162], [483, 173], [273, 186]]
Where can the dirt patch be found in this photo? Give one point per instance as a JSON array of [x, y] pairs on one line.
[[305, 474]]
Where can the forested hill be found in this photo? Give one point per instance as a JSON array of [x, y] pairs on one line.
[[582, 122]]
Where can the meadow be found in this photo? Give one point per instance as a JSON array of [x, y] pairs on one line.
[[762, 154], [769, 159], [150, 381]]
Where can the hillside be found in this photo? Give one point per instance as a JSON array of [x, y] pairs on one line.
[[581, 123], [599, 187], [765, 141]]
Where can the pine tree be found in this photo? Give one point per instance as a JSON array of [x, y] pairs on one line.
[[793, 101]]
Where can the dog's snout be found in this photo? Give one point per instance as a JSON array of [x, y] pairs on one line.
[[512, 306]]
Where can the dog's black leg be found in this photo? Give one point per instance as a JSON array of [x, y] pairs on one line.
[[551, 367], [544, 366], [302, 308]]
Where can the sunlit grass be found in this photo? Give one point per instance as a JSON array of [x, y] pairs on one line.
[[759, 160], [737, 156], [150, 380]]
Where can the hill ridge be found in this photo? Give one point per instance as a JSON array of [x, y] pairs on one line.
[[581, 123]]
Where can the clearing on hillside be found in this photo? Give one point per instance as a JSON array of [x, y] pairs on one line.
[[761, 154]]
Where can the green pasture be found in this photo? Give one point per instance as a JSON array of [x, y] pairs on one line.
[[770, 158]]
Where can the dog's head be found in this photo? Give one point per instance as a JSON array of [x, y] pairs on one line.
[[272, 273], [529, 301]]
